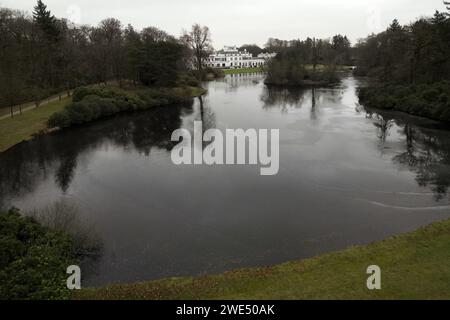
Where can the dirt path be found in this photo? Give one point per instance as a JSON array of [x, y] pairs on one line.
[[31, 105]]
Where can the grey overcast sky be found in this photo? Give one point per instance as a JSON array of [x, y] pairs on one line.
[[245, 21]]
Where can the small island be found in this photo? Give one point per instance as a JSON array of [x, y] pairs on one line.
[[308, 63]]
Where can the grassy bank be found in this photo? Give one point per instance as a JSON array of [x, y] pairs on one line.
[[23, 127], [414, 266], [242, 70]]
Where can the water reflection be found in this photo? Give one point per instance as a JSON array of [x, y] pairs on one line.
[[59, 153], [347, 176], [242, 80], [422, 150], [286, 99], [383, 125], [206, 115], [292, 99], [313, 104]]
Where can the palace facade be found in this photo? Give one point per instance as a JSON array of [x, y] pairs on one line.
[[233, 58]]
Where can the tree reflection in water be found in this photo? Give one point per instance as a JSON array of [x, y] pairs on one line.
[[383, 126], [24, 166], [284, 98], [426, 152], [242, 80], [291, 99], [422, 150]]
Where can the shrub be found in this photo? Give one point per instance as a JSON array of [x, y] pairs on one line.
[[188, 80], [445, 115], [105, 92], [59, 119], [64, 216], [430, 94], [443, 98], [80, 93], [207, 74], [90, 104], [427, 100], [33, 259], [164, 96]]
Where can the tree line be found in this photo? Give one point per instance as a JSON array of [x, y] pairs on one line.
[[308, 62], [409, 67], [411, 54], [336, 50], [41, 55]]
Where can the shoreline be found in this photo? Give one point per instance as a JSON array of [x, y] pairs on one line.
[[429, 101], [34, 122], [242, 70], [409, 114], [418, 259], [304, 85], [419, 120]]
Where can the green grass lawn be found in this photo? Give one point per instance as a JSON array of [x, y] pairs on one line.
[[242, 70], [23, 127], [413, 266]]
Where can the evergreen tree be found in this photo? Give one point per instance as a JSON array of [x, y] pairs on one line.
[[395, 26], [45, 20]]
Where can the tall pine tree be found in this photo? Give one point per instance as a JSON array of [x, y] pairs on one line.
[[47, 54], [45, 20]]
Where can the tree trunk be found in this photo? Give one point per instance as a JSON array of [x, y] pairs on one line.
[[12, 111], [412, 71], [199, 60]]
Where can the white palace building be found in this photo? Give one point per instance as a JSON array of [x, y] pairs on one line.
[[232, 58]]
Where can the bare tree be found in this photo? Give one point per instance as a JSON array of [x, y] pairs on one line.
[[199, 41], [154, 34], [107, 51], [447, 4]]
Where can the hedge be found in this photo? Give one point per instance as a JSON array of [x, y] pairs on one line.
[[426, 100]]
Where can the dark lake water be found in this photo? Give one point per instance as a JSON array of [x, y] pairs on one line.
[[347, 176]]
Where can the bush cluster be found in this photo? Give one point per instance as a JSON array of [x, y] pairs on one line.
[[426, 100], [208, 74], [90, 104], [188, 79], [33, 259], [291, 71]]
